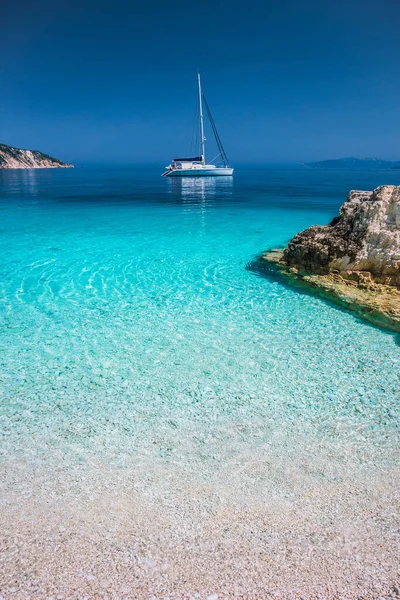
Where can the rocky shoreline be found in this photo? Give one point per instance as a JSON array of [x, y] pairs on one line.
[[355, 260], [17, 158]]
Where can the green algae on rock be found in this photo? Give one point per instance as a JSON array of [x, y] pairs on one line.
[[355, 260]]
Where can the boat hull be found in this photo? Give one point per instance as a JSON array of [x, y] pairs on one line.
[[219, 172]]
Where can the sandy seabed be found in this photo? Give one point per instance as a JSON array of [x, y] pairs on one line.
[[310, 525]]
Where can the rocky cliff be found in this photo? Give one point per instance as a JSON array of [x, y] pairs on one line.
[[356, 258], [16, 158], [364, 237]]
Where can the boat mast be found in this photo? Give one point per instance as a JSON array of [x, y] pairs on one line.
[[202, 138]]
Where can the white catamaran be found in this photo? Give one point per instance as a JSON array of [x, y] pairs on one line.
[[197, 166]]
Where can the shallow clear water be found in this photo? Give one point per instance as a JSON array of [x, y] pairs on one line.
[[134, 332]]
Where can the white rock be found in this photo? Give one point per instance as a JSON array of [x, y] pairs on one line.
[[16, 158], [364, 237]]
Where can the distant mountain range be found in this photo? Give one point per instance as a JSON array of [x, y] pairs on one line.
[[354, 163], [16, 158]]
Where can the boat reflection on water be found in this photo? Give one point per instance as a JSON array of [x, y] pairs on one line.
[[199, 190], [20, 181]]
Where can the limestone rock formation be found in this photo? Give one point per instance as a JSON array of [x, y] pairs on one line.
[[16, 158], [362, 243], [354, 261]]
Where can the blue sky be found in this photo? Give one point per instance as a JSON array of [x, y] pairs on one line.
[[115, 81]]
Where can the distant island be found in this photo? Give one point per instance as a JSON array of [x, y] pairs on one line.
[[354, 163], [17, 158]]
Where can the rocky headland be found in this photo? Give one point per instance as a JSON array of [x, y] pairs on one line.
[[16, 158], [355, 260]]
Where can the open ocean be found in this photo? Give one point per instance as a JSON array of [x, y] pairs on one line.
[[174, 423]]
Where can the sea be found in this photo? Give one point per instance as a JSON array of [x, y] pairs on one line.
[[177, 422]]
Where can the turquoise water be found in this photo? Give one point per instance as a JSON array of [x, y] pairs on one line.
[[134, 333], [121, 290]]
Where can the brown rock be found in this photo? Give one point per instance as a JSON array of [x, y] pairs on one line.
[[355, 260]]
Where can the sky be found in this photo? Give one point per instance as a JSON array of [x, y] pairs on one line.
[[115, 81]]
